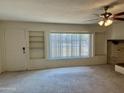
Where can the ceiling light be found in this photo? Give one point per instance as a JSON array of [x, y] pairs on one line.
[[108, 22], [101, 23]]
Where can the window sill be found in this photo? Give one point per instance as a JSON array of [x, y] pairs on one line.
[[69, 58]]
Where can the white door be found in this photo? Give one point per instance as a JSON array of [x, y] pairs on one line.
[[16, 50]]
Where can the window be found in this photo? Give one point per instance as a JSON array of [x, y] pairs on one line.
[[69, 45]]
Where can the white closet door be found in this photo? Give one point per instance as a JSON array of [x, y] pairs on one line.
[[16, 50]]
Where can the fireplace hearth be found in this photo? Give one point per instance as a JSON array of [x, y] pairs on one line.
[[119, 68]]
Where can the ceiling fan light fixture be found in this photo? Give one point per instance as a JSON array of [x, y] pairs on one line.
[[101, 23], [108, 22], [107, 17]]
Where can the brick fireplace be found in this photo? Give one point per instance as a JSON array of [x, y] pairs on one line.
[[115, 51]]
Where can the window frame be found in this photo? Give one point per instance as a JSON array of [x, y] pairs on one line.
[[91, 46]]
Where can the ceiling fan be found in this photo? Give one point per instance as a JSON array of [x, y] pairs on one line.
[[107, 18]]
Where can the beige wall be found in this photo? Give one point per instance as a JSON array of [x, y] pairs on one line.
[[2, 48], [100, 43], [117, 31], [100, 58], [0, 55]]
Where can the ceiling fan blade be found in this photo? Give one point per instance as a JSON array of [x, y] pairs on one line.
[[119, 14], [112, 4], [120, 19], [93, 19], [97, 15]]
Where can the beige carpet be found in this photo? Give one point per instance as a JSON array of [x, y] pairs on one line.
[[86, 79]]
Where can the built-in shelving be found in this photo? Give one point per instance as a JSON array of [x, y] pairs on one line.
[[36, 44]]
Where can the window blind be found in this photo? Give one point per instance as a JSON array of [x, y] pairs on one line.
[[69, 45]]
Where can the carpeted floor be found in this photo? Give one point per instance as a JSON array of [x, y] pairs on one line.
[[86, 79]]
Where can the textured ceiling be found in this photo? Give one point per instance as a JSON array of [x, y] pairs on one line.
[[54, 11]]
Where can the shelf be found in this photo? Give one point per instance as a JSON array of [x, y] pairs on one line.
[[36, 48], [36, 41], [37, 57], [39, 39], [36, 45], [36, 33], [36, 36]]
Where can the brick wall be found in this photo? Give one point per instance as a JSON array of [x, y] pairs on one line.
[[115, 52]]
